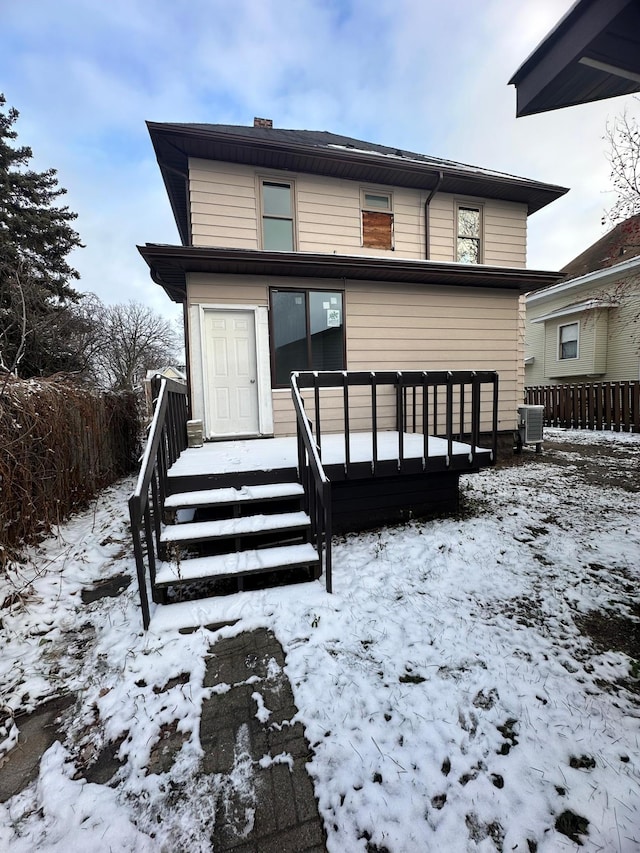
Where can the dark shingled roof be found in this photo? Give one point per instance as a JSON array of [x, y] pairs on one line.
[[620, 244]]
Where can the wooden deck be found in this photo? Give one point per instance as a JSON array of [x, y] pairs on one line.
[[234, 511], [272, 460]]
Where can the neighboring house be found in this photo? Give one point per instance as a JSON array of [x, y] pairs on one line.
[[310, 250], [169, 372], [593, 53], [587, 328]]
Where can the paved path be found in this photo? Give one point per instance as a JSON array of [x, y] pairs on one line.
[[242, 726], [265, 798]]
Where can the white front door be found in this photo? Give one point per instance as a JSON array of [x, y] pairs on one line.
[[230, 369]]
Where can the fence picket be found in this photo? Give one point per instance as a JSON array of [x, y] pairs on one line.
[[597, 405]]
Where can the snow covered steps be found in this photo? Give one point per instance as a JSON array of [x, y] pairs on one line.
[[234, 532], [236, 564], [231, 528], [231, 496]]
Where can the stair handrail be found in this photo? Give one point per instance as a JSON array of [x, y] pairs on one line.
[[163, 447], [316, 484]]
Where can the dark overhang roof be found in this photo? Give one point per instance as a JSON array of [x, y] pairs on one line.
[[170, 264], [592, 53], [330, 154]]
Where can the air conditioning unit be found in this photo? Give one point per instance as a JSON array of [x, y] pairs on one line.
[[530, 426]]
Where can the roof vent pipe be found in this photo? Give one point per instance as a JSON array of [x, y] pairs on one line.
[[426, 213]]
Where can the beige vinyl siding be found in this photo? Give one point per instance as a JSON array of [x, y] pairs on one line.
[[225, 211], [396, 327], [409, 328], [223, 205], [504, 231], [505, 234], [226, 289]]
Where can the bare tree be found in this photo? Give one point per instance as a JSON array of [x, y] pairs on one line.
[[133, 339], [622, 136]]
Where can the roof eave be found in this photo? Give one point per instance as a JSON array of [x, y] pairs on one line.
[[578, 62], [169, 266]]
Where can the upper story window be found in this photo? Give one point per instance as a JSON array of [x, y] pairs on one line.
[[469, 234], [568, 340], [377, 220], [307, 332], [277, 216]]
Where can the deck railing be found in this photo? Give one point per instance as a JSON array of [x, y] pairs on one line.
[[451, 405], [595, 405], [317, 487], [167, 438]]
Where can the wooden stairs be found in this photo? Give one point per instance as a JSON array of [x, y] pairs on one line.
[[233, 533]]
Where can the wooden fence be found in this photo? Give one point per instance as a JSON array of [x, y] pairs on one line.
[[599, 405]]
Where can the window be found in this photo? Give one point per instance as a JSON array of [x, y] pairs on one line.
[[277, 216], [377, 220], [307, 332], [469, 230], [568, 341]]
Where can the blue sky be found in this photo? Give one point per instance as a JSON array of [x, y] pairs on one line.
[[423, 75]]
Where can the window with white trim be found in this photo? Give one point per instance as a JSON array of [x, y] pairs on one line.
[[468, 234], [568, 337], [377, 219], [278, 232]]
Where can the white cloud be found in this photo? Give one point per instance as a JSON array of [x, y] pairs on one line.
[[419, 74]]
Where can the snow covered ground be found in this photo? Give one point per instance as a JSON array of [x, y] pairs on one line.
[[465, 688]]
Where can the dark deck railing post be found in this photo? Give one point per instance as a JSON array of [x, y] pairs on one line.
[[347, 436], [326, 500], [449, 418], [316, 404], [425, 419], [136, 522], [400, 418], [374, 423], [476, 390], [494, 422], [317, 486]]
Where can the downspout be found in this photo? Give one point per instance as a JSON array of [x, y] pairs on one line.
[[426, 213]]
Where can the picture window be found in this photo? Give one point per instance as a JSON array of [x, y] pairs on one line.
[[307, 332]]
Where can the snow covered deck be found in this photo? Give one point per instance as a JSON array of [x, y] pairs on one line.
[[280, 454]]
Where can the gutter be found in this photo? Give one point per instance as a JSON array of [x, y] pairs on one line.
[[435, 189]]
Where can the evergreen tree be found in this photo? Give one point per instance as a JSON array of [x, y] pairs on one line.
[[36, 237]]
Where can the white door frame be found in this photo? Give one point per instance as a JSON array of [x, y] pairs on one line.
[[263, 363]]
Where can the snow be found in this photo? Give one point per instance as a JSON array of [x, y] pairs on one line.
[[445, 686], [225, 457]]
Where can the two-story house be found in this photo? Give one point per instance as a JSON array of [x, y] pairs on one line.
[[310, 250], [585, 328]]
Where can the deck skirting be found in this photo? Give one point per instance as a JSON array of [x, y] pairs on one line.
[[365, 504]]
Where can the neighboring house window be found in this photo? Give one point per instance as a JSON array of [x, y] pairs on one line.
[[307, 332], [568, 341], [377, 220], [469, 231], [277, 216]]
